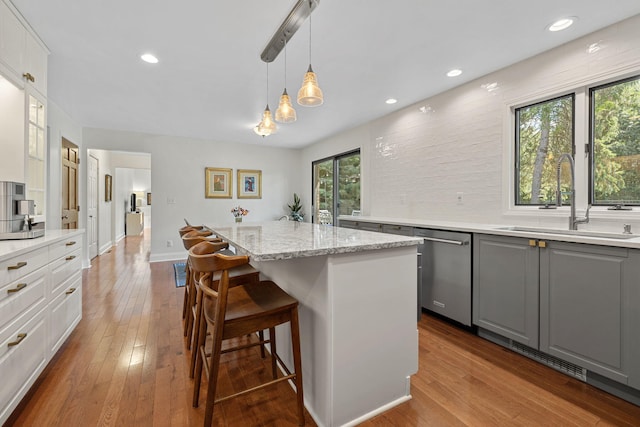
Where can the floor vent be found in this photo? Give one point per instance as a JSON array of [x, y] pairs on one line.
[[551, 361]]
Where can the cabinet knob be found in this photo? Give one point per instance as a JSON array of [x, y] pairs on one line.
[[18, 341], [542, 244], [29, 77], [70, 243], [70, 257], [532, 242], [70, 291], [17, 266], [18, 288]]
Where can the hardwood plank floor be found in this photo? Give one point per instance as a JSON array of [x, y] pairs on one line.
[[126, 364]]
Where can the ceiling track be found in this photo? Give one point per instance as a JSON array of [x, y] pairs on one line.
[[300, 12]]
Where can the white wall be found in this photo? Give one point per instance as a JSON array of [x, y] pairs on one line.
[[12, 167], [177, 174], [122, 184], [415, 163]]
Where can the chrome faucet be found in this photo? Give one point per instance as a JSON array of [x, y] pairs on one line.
[[573, 221]]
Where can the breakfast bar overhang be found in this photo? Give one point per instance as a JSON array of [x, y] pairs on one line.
[[358, 296]]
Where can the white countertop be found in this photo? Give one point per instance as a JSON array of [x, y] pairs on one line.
[[277, 240], [564, 235], [10, 248]]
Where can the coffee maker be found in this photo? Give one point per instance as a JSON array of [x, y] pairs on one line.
[[16, 212]]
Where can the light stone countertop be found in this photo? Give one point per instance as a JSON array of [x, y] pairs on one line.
[[534, 232], [277, 240], [10, 248]]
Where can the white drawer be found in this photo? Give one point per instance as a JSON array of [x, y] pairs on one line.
[[22, 362], [22, 294], [66, 312], [64, 247], [16, 267], [63, 268]]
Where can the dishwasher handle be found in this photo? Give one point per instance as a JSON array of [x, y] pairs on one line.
[[451, 242]]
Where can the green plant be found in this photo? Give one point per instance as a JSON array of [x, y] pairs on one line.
[[295, 208]]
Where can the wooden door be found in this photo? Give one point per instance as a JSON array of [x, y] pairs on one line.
[[92, 206], [70, 207]]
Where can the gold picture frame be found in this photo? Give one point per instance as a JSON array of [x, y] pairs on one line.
[[108, 188], [249, 184], [218, 183]]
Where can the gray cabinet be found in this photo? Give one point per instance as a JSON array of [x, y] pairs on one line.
[[589, 315], [576, 302], [505, 287], [360, 225]]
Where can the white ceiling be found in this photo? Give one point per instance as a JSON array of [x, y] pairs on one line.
[[211, 84]]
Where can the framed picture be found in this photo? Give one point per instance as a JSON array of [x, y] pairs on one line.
[[218, 183], [249, 184], [108, 188]]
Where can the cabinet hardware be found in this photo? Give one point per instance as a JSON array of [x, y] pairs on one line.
[[70, 243], [70, 291], [70, 257], [542, 244], [533, 243], [397, 227], [451, 242], [18, 341], [29, 77], [18, 288], [17, 266]]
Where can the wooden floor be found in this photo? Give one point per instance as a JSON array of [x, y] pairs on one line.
[[126, 365]]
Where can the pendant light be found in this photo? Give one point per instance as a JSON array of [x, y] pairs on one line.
[[285, 112], [266, 126], [310, 94]]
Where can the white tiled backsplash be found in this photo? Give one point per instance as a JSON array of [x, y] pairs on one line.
[[418, 160]]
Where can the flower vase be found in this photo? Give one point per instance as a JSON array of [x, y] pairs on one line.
[[238, 219]]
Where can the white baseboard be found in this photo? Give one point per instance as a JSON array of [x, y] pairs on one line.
[[104, 248], [172, 256]]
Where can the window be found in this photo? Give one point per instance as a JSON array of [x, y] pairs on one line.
[[336, 185], [544, 131], [615, 143]]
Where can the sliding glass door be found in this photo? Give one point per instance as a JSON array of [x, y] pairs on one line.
[[336, 187]]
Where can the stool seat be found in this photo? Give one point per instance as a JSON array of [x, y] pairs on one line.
[[251, 301]]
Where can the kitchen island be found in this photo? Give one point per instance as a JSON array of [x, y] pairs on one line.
[[357, 294]]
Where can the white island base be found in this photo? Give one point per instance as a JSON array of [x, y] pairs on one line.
[[358, 330]]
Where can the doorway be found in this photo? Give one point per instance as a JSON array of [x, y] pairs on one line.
[[92, 206], [70, 207]]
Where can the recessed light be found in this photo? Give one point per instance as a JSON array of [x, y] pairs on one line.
[[391, 101], [454, 73], [562, 24], [594, 47], [147, 57]]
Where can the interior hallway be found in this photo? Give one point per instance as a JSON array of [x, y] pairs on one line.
[[126, 364]]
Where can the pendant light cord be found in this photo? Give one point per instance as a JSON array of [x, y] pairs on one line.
[[267, 84], [285, 63], [310, 3]]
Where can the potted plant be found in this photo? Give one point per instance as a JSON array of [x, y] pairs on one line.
[[295, 208]]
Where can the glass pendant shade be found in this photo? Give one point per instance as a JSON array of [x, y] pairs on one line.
[[310, 94], [267, 126], [285, 112]]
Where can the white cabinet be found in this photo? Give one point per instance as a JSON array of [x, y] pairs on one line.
[[12, 43], [40, 305], [23, 57], [135, 223]]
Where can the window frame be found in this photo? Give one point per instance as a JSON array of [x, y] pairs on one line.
[[591, 137], [515, 169], [335, 160]]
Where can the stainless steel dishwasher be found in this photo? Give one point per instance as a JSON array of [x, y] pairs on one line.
[[446, 273]]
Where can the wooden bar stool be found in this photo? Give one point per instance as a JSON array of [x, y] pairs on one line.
[[237, 276], [232, 312], [195, 235]]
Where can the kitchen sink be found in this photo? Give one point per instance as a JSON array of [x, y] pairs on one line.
[[584, 233]]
